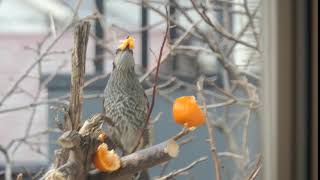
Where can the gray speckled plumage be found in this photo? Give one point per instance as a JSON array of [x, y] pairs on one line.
[[126, 104]]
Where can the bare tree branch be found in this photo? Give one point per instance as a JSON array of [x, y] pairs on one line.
[[212, 138], [140, 160], [77, 76], [154, 84], [72, 161], [256, 170], [181, 38], [7, 164], [219, 29], [251, 22], [182, 170]]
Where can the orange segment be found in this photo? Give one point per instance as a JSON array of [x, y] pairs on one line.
[[127, 43], [187, 112], [105, 160]]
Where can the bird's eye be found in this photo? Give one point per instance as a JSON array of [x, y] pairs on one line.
[[118, 50]]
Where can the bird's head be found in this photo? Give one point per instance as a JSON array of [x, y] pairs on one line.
[[124, 56]]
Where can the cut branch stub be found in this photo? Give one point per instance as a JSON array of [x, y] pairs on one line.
[[148, 157], [92, 124], [81, 147], [77, 76], [141, 160], [70, 162]]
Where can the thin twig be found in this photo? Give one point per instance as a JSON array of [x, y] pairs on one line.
[[161, 86], [172, 48], [212, 138], [166, 164], [182, 133], [158, 11], [256, 170], [182, 170], [94, 79], [63, 100], [251, 22], [220, 30], [30, 68], [241, 33], [222, 104], [245, 135], [154, 84], [164, 168], [8, 173], [230, 155], [31, 136]]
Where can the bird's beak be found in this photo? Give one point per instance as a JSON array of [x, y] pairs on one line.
[[123, 56]]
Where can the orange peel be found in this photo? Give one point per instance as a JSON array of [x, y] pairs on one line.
[[187, 112], [106, 160], [127, 43]]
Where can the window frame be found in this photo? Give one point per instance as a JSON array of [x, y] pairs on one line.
[[287, 90]]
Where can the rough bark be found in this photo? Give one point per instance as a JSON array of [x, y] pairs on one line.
[[77, 77], [71, 162], [82, 145]]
